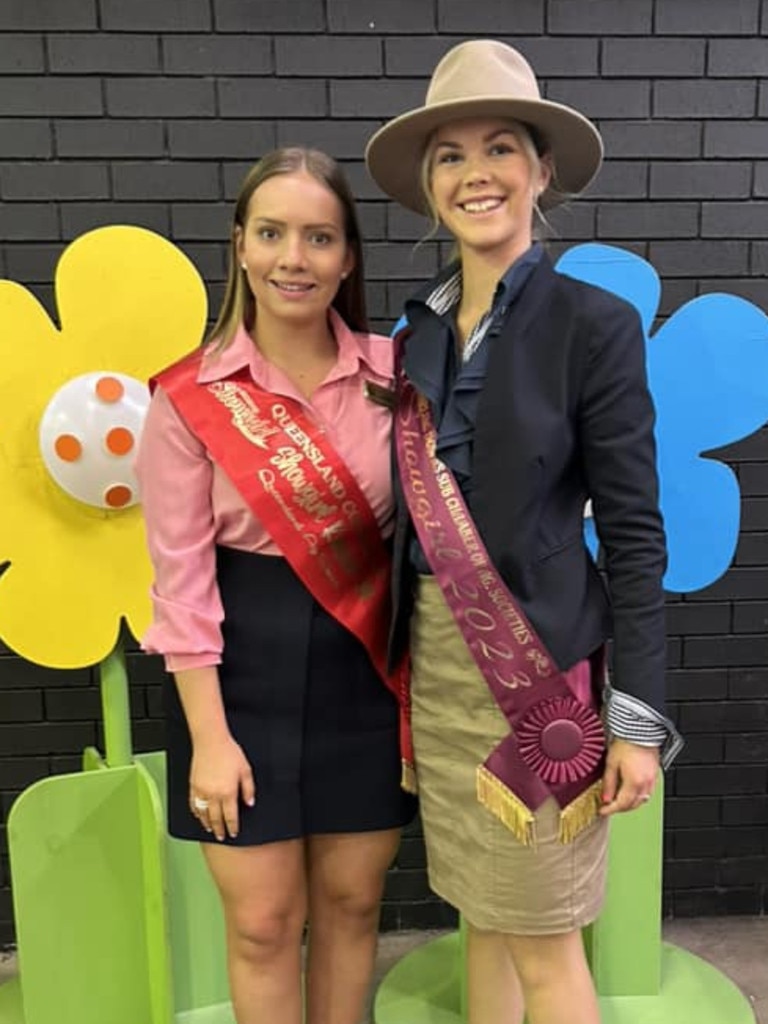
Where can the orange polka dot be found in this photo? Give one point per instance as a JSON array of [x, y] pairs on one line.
[[119, 441], [118, 496], [109, 389], [68, 448]]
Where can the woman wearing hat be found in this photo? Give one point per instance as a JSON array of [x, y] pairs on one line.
[[522, 394]]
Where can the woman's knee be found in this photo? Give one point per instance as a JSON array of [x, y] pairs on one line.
[[263, 933], [354, 902], [264, 894], [545, 960], [347, 875], [357, 902]]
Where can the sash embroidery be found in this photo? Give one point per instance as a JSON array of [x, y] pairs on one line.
[[308, 501], [556, 745]]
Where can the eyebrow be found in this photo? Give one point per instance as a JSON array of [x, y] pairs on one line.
[[488, 138], [281, 224]]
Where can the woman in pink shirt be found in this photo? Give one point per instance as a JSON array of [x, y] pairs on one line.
[[264, 468]]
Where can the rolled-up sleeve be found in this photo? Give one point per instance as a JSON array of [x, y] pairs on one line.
[[175, 479]]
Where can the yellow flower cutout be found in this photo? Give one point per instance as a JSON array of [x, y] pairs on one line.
[[71, 406]]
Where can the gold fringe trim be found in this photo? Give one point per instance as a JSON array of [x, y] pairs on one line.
[[580, 813], [507, 807], [408, 780]]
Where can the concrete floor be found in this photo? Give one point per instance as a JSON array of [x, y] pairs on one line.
[[738, 946]]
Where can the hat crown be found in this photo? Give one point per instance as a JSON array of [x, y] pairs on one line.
[[482, 67]]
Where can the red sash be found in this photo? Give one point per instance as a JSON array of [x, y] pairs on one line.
[[556, 743], [308, 501]]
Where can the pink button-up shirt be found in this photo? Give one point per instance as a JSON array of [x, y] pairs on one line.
[[190, 506]]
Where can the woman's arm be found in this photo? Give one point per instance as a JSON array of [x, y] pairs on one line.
[[618, 451], [619, 458], [220, 770], [176, 478]]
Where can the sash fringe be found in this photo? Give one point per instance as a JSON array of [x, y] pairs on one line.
[[408, 780], [508, 808], [513, 813], [580, 812]]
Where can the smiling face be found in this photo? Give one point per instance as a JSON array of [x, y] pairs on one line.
[[484, 181], [293, 249]]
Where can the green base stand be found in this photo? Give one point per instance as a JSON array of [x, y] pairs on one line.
[[639, 980], [195, 923], [89, 899], [12, 1009], [115, 920], [424, 989], [221, 1014]]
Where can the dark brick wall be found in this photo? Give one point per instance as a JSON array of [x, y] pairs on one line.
[[149, 112]]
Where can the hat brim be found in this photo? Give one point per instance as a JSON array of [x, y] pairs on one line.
[[394, 153]]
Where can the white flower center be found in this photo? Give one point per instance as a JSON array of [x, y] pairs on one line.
[[88, 437]]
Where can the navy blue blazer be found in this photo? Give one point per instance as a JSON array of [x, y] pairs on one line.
[[565, 414]]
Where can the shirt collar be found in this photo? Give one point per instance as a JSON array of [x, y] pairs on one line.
[[355, 349], [444, 293], [517, 274]]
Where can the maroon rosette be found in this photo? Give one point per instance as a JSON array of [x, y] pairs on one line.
[[560, 739]]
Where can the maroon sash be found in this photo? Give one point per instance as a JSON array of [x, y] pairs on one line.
[[309, 502], [556, 746]]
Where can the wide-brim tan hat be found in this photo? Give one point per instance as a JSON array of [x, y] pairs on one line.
[[484, 78]]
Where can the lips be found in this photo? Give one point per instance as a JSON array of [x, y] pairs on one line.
[[292, 287], [481, 205]]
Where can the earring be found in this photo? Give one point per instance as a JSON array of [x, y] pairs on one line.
[[243, 266]]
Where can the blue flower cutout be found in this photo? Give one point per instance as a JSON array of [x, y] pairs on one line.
[[708, 373]]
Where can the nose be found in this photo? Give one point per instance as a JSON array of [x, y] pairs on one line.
[[476, 169], [292, 253]]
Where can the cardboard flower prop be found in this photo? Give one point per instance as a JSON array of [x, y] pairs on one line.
[[708, 373], [72, 401]]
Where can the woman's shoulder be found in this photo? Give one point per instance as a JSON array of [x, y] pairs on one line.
[[182, 370], [591, 298], [378, 350]]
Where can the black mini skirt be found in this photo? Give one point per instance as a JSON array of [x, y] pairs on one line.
[[314, 719]]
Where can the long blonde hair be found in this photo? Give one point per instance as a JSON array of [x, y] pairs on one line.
[[238, 304]]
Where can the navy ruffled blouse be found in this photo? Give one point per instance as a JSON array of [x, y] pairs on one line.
[[433, 364]]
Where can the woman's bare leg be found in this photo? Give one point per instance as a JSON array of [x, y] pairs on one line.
[[264, 892], [346, 880], [557, 986], [494, 994]]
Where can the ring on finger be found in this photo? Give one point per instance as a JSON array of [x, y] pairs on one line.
[[200, 804], [645, 797]]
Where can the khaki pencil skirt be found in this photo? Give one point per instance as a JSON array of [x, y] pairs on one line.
[[474, 861]]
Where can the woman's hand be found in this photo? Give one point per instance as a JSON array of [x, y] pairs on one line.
[[219, 773], [629, 777]]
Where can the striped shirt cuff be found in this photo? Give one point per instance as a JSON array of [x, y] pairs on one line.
[[628, 718]]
